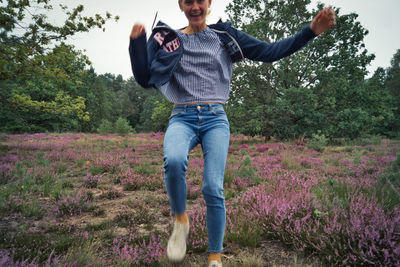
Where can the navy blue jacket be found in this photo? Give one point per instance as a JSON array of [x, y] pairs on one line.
[[153, 62]]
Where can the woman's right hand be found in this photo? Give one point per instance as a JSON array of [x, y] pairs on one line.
[[323, 21], [137, 30]]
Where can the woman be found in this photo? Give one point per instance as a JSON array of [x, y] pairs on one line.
[[192, 67]]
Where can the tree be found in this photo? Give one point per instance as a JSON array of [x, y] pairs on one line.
[[51, 99], [151, 118], [261, 90], [392, 85], [392, 82], [25, 33], [100, 102], [38, 72], [161, 114], [109, 97], [139, 109]]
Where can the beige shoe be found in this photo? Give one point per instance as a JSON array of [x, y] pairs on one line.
[[214, 264], [176, 248]]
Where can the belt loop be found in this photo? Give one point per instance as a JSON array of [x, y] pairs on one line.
[[184, 108]]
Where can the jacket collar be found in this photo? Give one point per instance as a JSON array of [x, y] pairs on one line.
[[162, 26], [220, 25]]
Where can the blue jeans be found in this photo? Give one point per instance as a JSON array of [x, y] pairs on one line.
[[189, 125]]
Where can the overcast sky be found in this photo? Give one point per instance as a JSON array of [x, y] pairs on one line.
[[108, 50]]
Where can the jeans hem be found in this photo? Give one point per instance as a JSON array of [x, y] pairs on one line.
[[215, 251]]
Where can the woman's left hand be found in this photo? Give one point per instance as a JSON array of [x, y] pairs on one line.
[[323, 21]]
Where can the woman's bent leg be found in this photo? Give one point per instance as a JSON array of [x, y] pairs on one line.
[[179, 139]]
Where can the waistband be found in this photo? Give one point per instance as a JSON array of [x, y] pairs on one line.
[[195, 104], [198, 106]]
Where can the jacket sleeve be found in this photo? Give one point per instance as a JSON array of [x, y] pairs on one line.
[[257, 50], [139, 60]]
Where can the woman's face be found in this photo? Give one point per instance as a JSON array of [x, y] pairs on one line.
[[195, 11]]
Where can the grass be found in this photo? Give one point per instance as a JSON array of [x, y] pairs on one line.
[[103, 225], [65, 198]]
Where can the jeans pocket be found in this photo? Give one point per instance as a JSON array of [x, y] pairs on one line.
[[218, 111], [176, 113]]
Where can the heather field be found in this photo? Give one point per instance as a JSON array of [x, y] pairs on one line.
[[91, 200]]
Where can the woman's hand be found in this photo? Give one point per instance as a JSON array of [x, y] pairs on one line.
[[137, 30], [323, 21]]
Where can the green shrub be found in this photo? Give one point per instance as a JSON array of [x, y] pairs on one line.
[[317, 142], [32, 209], [122, 127], [229, 176], [40, 160], [100, 226], [396, 165], [386, 190], [105, 127], [376, 139], [248, 235], [124, 219], [247, 170], [387, 187]]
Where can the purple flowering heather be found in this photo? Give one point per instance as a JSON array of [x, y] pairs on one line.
[[322, 204], [6, 260], [72, 204], [91, 181], [361, 233], [198, 240], [133, 181], [141, 253]]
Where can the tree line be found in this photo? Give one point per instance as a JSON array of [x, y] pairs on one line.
[[48, 85]]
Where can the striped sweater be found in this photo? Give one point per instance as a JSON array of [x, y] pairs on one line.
[[204, 72]]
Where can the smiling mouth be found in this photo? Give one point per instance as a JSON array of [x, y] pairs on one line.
[[195, 15]]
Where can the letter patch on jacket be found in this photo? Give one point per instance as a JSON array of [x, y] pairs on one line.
[[159, 38], [172, 46]]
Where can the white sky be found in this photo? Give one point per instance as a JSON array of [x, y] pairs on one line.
[[108, 50]]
